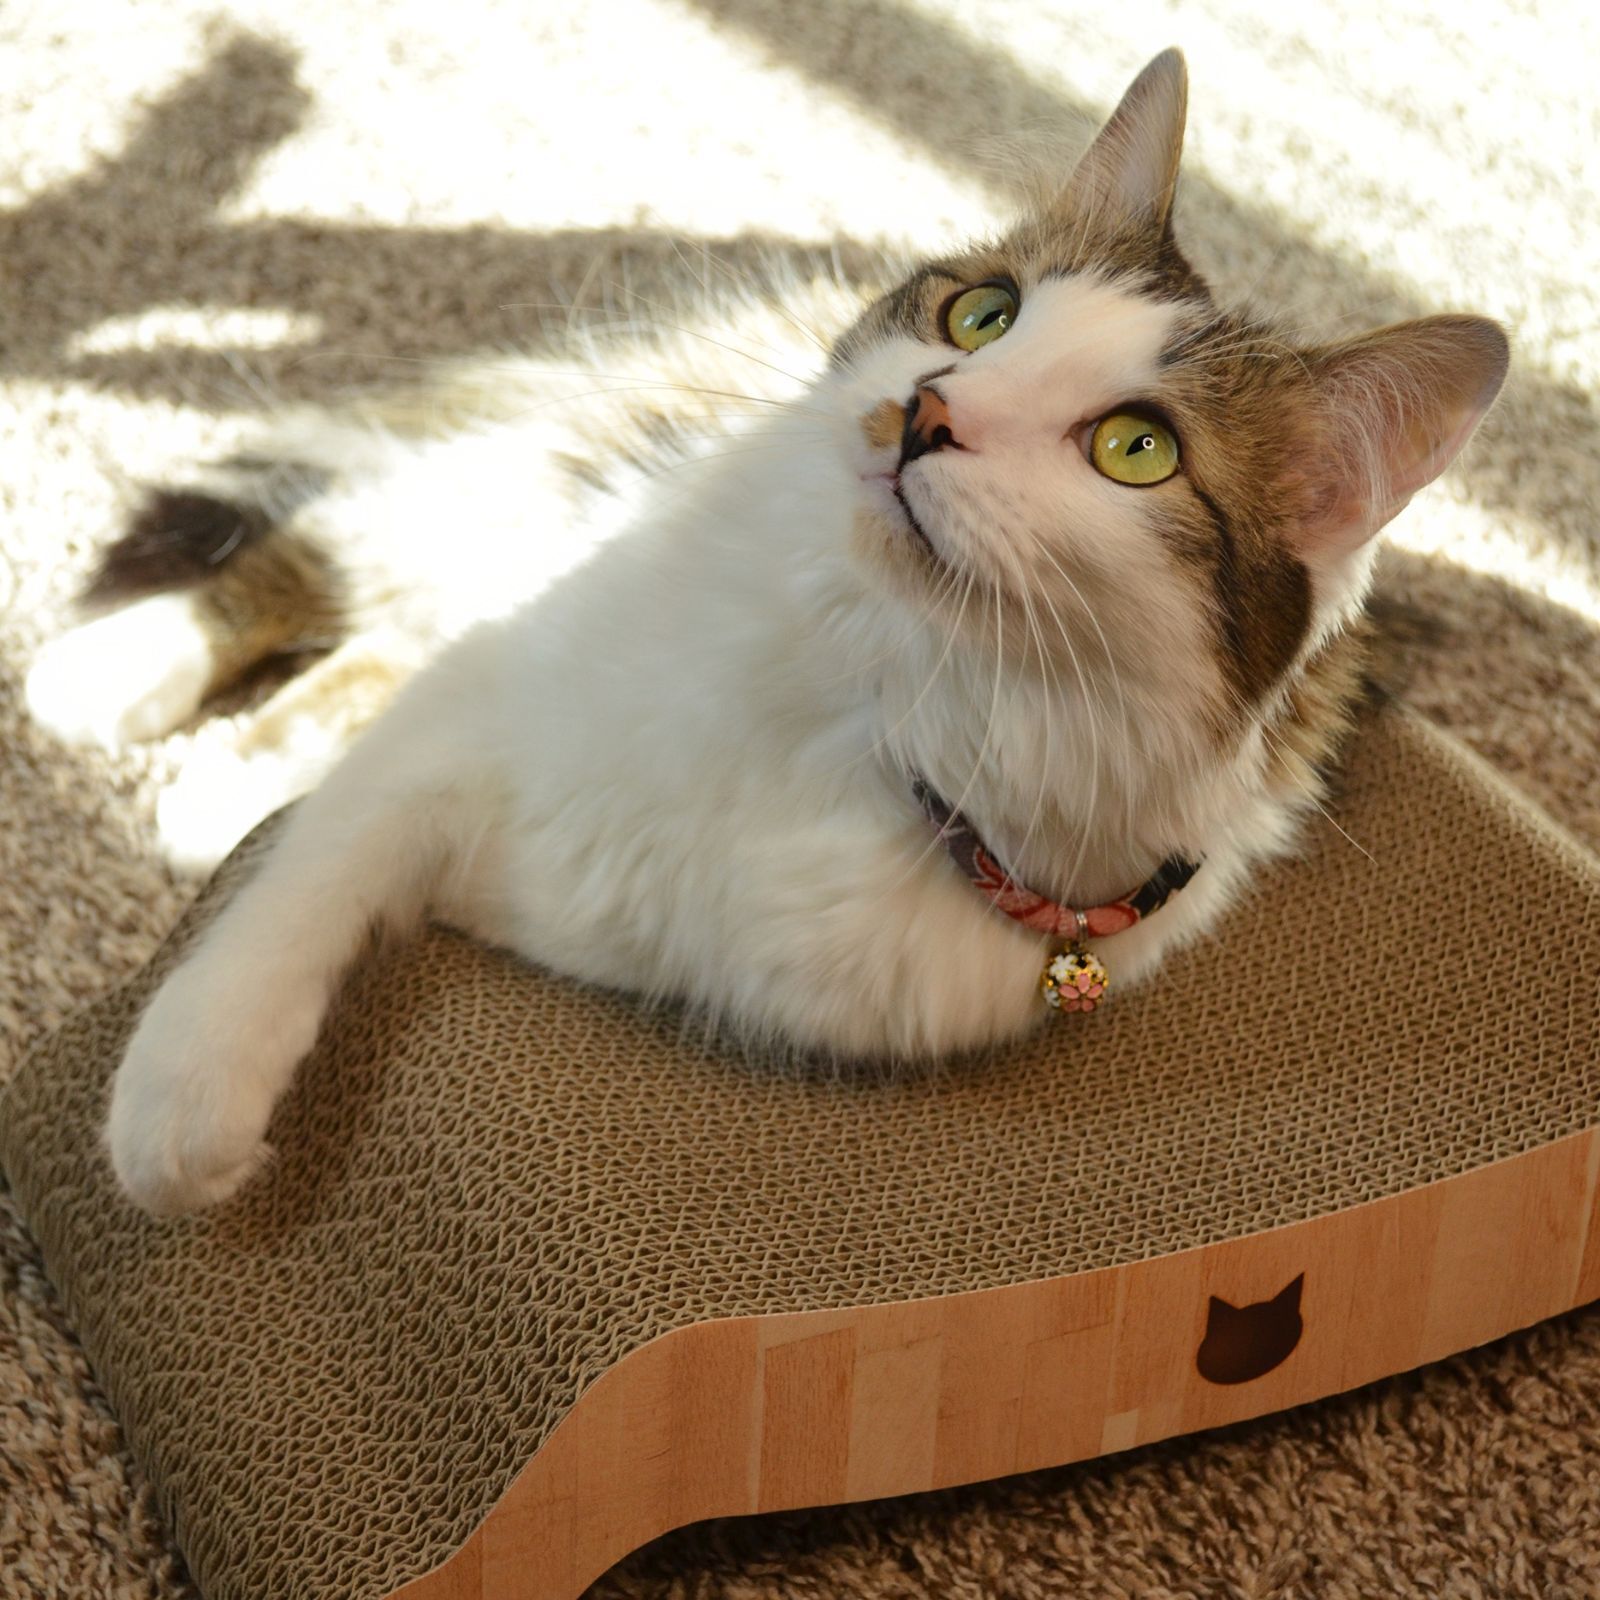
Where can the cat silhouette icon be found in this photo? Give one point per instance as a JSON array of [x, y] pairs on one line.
[[1245, 1342]]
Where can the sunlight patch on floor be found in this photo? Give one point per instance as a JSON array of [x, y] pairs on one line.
[[199, 328]]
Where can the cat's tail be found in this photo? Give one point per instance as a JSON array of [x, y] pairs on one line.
[[200, 587], [387, 832], [208, 579]]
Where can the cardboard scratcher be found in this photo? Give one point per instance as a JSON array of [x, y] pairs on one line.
[[534, 1280]]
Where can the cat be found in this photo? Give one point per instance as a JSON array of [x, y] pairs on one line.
[[1052, 550]]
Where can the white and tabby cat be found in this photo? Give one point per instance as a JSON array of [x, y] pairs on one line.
[[1051, 541]]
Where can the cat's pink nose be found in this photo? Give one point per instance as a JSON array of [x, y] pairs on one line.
[[927, 426]]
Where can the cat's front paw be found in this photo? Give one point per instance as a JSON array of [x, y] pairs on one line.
[[171, 1157], [136, 673], [166, 1179], [191, 1102]]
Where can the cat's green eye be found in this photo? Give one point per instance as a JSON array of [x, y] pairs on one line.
[[1133, 447], [979, 316]]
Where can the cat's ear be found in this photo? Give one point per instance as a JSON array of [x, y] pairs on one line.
[[1128, 176], [1288, 1297], [1395, 408]]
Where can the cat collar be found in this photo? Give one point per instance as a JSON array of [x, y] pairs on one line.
[[1073, 979]]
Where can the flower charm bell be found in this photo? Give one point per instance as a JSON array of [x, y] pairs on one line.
[[1074, 981]]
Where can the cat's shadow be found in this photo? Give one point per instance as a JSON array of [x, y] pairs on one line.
[[386, 295], [382, 298]]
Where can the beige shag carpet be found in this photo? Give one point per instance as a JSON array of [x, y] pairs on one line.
[[203, 205]]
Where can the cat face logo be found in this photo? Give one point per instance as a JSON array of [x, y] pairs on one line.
[[1243, 1342]]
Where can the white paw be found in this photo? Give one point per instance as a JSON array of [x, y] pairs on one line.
[[136, 673], [196, 1088], [216, 799]]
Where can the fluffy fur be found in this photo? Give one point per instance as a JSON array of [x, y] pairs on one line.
[[681, 766]]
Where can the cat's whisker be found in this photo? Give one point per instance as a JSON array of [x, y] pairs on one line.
[[626, 383], [633, 324], [1046, 766], [590, 273], [632, 295], [946, 588], [935, 840], [883, 741], [753, 293], [1128, 730], [705, 288], [1270, 737], [959, 804], [710, 256], [619, 387], [722, 344], [753, 448], [1087, 824], [602, 322], [1091, 702]]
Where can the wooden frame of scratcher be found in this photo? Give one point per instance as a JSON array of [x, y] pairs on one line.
[[767, 1413], [537, 1277]]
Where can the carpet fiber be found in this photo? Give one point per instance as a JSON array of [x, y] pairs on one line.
[[203, 209]]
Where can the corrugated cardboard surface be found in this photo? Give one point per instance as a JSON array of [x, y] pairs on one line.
[[492, 1184]]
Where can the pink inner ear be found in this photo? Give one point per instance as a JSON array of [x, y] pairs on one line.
[[1346, 513], [1399, 405], [1430, 454]]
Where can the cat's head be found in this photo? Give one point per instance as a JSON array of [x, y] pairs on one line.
[[1071, 454]]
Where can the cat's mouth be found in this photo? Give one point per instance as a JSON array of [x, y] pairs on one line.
[[919, 534], [917, 530]]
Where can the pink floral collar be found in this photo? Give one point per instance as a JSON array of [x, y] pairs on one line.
[[1032, 910]]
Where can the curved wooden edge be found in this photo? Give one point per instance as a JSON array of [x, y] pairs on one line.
[[763, 1413]]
